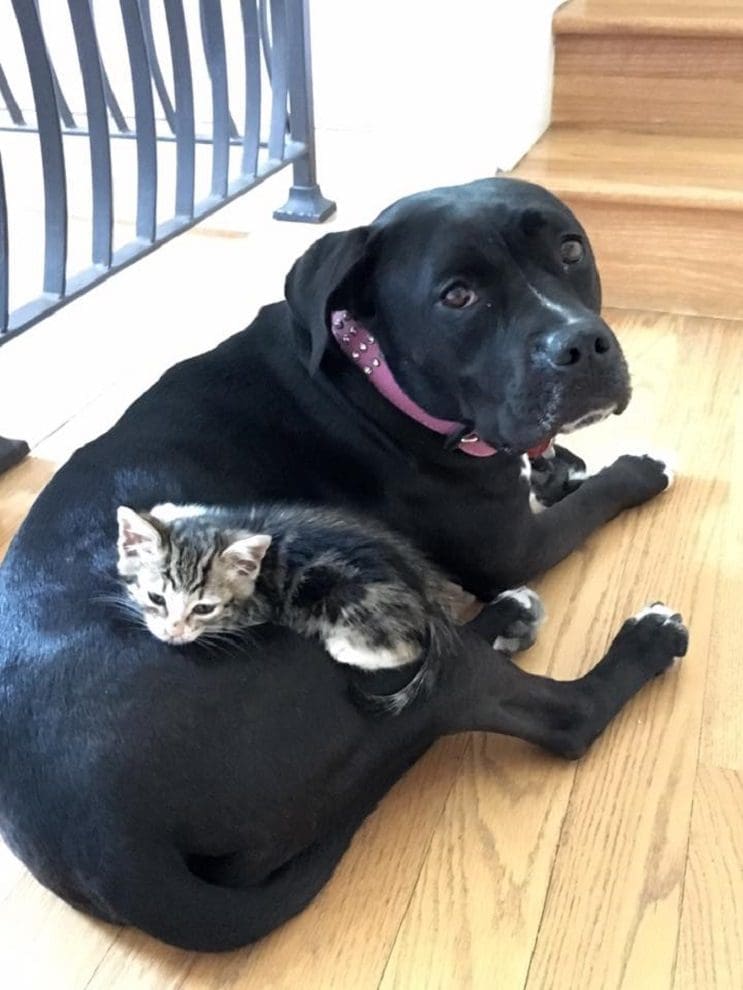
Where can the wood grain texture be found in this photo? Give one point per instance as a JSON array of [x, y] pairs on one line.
[[492, 864], [711, 937], [657, 85], [689, 17], [652, 169]]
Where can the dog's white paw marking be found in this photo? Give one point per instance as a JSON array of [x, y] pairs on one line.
[[525, 475], [658, 608], [521, 632], [577, 474], [505, 645], [526, 598], [535, 505]]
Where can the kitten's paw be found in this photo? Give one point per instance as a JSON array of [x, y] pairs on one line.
[[522, 614]]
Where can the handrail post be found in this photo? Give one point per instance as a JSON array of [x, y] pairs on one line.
[[306, 202]]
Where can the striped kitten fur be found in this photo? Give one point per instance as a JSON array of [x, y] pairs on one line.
[[372, 599]]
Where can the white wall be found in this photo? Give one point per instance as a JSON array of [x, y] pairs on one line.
[[463, 77]]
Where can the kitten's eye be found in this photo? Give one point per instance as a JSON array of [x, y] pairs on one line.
[[571, 251], [458, 296], [202, 609], [156, 599]]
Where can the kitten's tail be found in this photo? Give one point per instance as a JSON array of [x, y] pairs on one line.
[[439, 638]]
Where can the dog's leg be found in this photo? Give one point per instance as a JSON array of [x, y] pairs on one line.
[[510, 622], [556, 532], [556, 474], [483, 690]]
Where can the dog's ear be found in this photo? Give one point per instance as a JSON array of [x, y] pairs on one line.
[[333, 274]]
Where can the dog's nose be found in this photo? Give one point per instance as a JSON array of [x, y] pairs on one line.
[[568, 347]]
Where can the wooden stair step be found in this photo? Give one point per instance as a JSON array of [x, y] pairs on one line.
[[694, 18], [646, 65], [664, 214]]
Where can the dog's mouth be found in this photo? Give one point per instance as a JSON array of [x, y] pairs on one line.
[[536, 441], [528, 422], [588, 419]]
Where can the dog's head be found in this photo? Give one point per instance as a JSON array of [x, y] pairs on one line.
[[485, 299]]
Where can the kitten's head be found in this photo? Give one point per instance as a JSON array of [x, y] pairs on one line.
[[186, 574]]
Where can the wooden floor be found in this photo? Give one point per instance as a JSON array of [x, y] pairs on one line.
[[491, 864]]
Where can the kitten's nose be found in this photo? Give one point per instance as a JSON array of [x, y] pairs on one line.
[[176, 629]]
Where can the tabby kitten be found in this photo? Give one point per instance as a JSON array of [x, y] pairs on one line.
[[368, 595]]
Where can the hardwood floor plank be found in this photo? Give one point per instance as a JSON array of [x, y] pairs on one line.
[[722, 738], [475, 911], [44, 943], [711, 939]]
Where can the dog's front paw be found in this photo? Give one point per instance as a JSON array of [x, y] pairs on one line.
[[641, 476], [655, 636], [522, 613], [556, 474]]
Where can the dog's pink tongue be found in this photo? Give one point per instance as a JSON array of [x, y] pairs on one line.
[[539, 449]]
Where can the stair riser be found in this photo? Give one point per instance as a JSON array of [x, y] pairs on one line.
[[682, 85], [668, 259]]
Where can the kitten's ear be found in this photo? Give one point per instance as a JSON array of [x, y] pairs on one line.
[[137, 535], [245, 555]]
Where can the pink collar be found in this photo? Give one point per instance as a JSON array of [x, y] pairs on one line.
[[357, 343]]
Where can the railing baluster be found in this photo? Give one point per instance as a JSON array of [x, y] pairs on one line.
[[100, 147], [265, 35], [4, 256], [112, 103], [50, 139], [9, 100], [306, 201], [157, 72], [144, 116], [184, 117], [212, 33], [279, 81], [62, 105], [252, 52]]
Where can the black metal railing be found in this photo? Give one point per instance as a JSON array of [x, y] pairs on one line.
[[275, 56]]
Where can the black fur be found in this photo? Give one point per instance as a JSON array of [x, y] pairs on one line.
[[208, 802]]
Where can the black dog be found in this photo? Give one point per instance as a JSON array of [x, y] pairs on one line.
[[206, 799]]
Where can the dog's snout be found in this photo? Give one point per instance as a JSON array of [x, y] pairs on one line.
[[568, 347]]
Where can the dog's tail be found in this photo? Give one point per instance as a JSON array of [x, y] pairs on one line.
[[160, 895], [439, 639]]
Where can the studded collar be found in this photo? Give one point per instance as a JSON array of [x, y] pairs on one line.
[[364, 351]]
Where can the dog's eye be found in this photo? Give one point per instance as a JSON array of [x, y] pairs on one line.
[[156, 599], [458, 296], [203, 609], [571, 251]]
